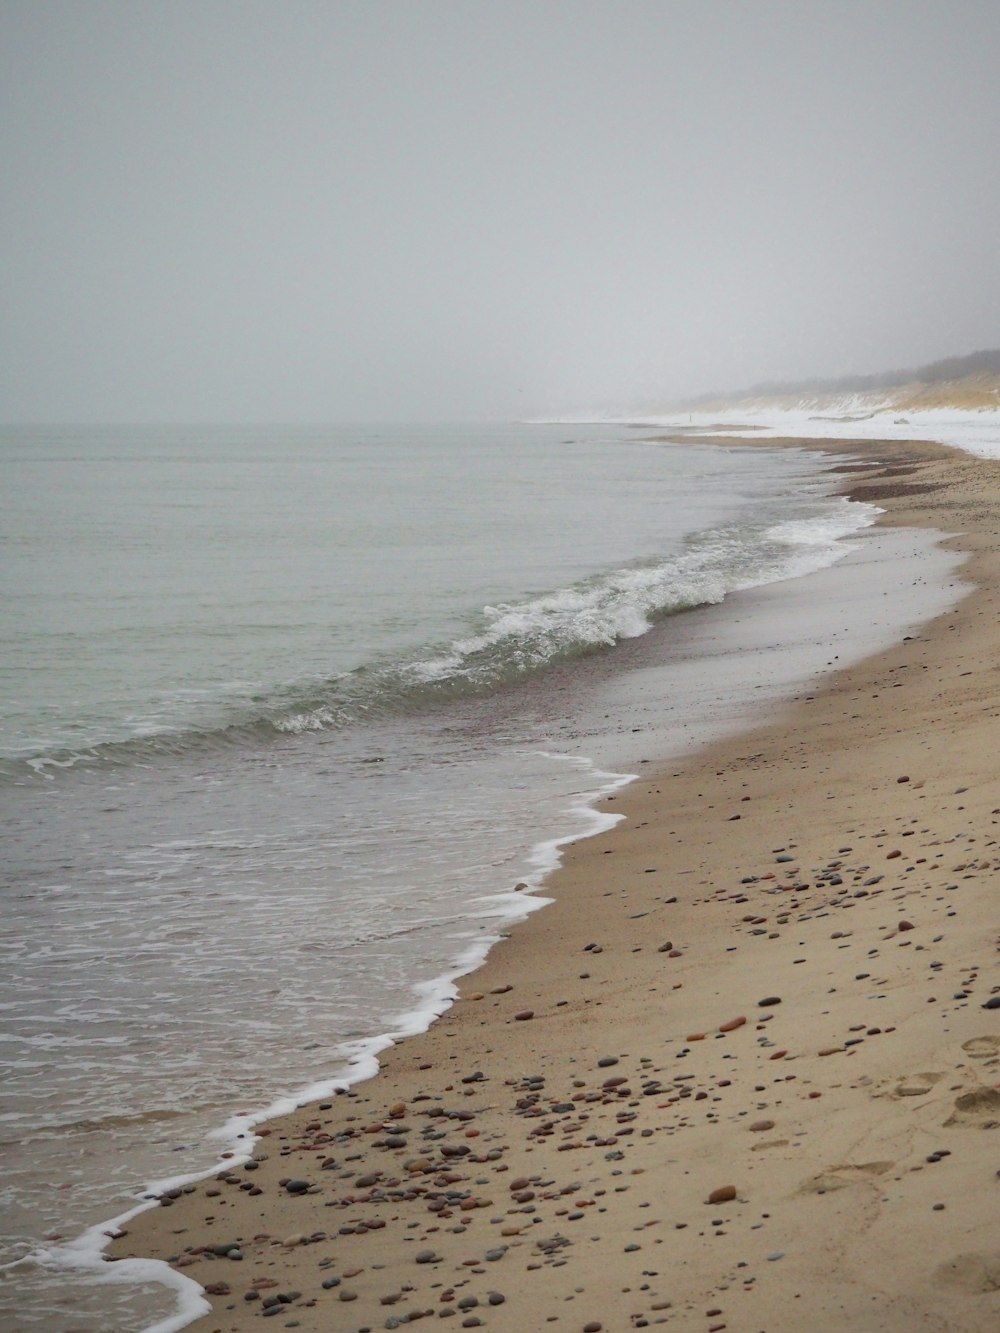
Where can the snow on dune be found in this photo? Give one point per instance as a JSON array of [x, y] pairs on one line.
[[975, 432]]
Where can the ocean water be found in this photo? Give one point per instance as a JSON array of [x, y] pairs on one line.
[[287, 716]]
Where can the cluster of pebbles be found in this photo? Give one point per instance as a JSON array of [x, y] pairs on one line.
[[430, 1208]]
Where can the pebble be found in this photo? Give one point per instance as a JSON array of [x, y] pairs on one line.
[[769, 1000], [724, 1194], [523, 1015]]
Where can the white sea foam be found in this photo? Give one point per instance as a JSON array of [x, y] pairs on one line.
[[622, 604], [85, 1254]]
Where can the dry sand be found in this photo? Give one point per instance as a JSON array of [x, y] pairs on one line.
[[765, 987]]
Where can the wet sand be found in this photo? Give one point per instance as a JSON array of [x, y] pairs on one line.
[[740, 1075]]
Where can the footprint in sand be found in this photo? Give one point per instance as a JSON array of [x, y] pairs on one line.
[[839, 1177], [912, 1085], [976, 1273], [980, 1048], [979, 1109]]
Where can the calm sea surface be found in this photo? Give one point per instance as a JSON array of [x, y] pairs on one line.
[[286, 715]]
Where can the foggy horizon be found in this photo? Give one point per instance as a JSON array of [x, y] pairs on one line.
[[253, 212]]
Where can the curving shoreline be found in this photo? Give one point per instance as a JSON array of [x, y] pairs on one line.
[[618, 1158]]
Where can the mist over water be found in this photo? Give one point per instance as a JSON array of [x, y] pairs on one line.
[[231, 212]]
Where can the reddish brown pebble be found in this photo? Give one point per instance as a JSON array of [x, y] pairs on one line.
[[695, 1036], [903, 779], [892, 856], [778, 1055], [724, 1194], [906, 925], [732, 1025], [524, 1015]]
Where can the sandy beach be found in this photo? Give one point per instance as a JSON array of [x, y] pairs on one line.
[[743, 1074]]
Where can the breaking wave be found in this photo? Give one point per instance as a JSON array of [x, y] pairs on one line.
[[510, 641]]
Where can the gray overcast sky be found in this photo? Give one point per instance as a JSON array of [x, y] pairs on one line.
[[303, 210]]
